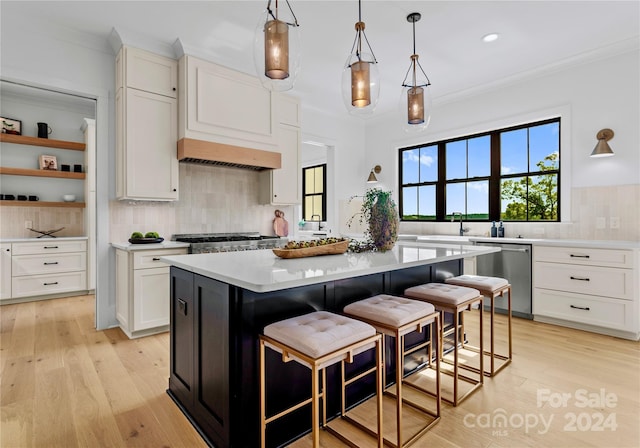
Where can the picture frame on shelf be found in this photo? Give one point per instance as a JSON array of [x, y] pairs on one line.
[[11, 126], [48, 163]]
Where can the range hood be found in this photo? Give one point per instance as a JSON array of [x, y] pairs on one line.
[[209, 153]]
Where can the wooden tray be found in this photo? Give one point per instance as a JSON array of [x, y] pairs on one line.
[[327, 249]]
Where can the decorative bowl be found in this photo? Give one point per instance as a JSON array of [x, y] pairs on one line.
[[69, 197], [326, 249]]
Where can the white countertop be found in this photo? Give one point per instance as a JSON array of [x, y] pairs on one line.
[[150, 246], [599, 244], [44, 238], [263, 271]]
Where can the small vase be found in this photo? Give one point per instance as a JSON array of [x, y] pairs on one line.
[[383, 225]]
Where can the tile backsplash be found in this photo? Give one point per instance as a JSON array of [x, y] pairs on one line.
[[212, 200], [587, 205]]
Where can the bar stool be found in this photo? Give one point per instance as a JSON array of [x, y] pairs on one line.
[[318, 340], [397, 317], [453, 299], [490, 287]]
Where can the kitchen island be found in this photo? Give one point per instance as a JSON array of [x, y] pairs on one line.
[[221, 302]]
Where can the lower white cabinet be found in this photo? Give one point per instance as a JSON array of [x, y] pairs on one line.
[[5, 271], [593, 289], [142, 290], [43, 268]]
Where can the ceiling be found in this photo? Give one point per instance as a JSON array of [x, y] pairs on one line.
[[534, 36]]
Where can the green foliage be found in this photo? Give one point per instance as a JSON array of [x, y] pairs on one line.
[[533, 198], [136, 235], [152, 235], [379, 211]]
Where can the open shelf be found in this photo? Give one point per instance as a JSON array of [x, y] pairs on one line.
[[41, 173], [47, 142], [42, 204]]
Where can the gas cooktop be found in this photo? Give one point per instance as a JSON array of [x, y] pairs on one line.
[[227, 242]]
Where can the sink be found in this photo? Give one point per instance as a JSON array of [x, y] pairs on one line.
[[457, 239]]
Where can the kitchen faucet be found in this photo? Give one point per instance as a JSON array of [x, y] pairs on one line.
[[462, 229], [319, 222]]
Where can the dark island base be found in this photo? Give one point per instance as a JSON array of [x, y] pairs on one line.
[[214, 351]]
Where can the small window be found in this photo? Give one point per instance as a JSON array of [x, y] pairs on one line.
[[314, 196]]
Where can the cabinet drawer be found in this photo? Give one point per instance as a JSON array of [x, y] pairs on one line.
[[599, 311], [46, 264], [36, 285], [151, 258], [592, 280], [49, 247], [580, 255]]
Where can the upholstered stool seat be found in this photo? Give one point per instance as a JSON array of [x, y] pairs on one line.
[[318, 340], [455, 300], [491, 288], [396, 317]]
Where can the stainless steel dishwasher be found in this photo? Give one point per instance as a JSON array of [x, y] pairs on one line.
[[513, 263]]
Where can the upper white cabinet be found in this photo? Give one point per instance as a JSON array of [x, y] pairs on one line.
[[225, 106], [146, 126], [283, 186], [146, 71]]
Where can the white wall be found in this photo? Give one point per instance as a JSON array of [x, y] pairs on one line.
[[603, 93]]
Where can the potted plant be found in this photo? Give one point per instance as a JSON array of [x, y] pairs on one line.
[[380, 213]]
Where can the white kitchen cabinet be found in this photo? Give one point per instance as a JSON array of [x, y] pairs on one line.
[[221, 105], [48, 267], [142, 290], [594, 289], [5, 271], [146, 128], [142, 70], [284, 186]]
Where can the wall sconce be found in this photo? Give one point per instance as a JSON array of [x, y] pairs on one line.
[[372, 175], [602, 149], [276, 50]]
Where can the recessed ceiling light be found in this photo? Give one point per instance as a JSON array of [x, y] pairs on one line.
[[490, 37]]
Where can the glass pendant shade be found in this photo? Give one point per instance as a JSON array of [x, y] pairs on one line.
[[415, 99], [276, 48]]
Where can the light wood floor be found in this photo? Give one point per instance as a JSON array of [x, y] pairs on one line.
[[64, 384]]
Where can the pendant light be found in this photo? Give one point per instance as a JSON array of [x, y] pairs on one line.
[[415, 101], [360, 77], [276, 50]]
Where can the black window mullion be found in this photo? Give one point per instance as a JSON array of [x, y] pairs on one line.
[[494, 180], [441, 184]]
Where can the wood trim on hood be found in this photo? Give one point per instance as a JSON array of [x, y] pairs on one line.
[[209, 153]]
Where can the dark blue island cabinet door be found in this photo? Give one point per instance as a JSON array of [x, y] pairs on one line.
[[199, 377]]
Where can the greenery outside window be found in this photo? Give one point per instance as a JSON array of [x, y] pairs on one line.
[[314, 193], [509, 174]]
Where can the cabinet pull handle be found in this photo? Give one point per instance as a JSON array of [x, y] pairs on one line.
[[585, 308], [583, 279], [182, 306], [50, 262], [52, 283], [50, 247], [578, 256], [156, 259]]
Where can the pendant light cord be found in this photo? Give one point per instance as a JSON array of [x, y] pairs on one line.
[[357, 42], [275, 16]]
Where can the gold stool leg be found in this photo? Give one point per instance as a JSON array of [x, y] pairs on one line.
[[315, 407], [380, 388], [492, 334], [263, 423], [399, 374]]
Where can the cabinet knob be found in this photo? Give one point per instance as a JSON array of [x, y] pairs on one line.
[[174, 89], [155, 259], [175, 189]]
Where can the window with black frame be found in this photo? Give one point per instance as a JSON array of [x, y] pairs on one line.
[[314, 193], [509, 174]]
